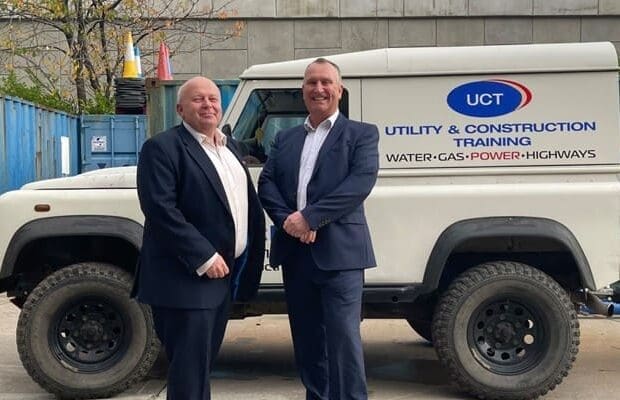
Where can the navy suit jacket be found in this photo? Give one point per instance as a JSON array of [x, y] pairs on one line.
[[187, 220], [344, 175]]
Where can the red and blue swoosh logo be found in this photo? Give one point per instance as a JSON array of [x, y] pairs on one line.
[[490, 98]]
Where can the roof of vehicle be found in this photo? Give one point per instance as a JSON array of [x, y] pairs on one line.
[[527, 58]]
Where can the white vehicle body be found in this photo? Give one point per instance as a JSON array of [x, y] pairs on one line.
[[497, 154]]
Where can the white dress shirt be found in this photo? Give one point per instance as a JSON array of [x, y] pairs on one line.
[[312, 145], [235, 184]]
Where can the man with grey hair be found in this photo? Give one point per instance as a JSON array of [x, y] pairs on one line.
[[204, 237], [313, 187]]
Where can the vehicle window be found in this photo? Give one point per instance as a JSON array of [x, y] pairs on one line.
[[274, 124], [267, 112]]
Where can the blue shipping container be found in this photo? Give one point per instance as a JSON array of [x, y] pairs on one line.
[[111, 140], [35, 143]]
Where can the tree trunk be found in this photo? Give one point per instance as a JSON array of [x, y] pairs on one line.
[[80, 88]]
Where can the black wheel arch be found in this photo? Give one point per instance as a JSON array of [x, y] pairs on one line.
[[492, 227], [121, 228]]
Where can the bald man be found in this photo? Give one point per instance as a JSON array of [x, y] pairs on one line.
[[204, 237]]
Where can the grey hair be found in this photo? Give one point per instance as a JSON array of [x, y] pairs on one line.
[[322, 60], [181, 90]]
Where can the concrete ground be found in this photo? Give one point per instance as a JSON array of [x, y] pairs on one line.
[[256, 362]]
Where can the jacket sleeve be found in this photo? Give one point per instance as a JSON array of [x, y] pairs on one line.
[[268, 191], [354, 189], [157, 192]]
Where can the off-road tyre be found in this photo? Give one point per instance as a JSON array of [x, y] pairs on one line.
[[80, 335], [507, 331]]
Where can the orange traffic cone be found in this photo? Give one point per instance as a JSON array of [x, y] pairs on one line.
[[129, 66], [163, 64]]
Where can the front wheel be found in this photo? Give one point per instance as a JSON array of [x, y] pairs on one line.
[[79, 334], [506, 331]]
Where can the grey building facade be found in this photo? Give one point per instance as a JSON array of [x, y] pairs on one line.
[[277, 30]]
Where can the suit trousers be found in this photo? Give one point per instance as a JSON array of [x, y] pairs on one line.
[[324, 313], [192, 339]]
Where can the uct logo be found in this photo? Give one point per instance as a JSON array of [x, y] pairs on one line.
[[490, 98]]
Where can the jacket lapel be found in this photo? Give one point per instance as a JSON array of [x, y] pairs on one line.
[[196, 151], [233, 149], [332, 138]]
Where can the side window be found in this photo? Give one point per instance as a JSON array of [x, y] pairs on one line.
[[267, 112], [274, 123]]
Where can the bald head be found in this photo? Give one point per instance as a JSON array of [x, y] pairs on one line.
[[193, 82], [199, 104]]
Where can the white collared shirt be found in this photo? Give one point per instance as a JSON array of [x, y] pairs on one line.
[[312, 145], [235, 184]]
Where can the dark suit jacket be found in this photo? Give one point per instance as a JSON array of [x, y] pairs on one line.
[[345, 173], [188, 219]]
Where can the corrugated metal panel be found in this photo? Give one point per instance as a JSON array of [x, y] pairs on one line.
[[161, 100], [31, 140], [4, 171], [52, 127], [111, 140], [19, 125]]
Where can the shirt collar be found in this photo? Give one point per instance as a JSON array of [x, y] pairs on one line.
[[329, 122], [220, 138]]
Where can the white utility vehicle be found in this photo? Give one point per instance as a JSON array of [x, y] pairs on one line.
[[496, 212]]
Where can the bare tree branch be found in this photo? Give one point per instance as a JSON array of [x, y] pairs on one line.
[[89, 35]]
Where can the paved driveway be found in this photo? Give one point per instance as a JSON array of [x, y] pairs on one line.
[[256, 363]]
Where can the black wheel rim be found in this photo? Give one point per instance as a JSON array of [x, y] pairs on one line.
[[508, 336], [90, 334]]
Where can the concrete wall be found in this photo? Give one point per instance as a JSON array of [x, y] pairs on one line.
[[276, 30]]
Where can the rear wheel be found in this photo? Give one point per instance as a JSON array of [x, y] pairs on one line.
[[79, 334], [506, 331]]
